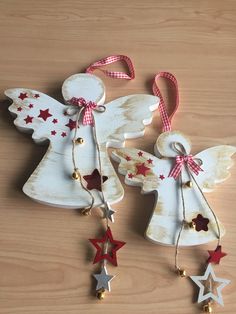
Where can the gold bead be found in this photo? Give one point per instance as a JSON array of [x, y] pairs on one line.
[[86, 211], [192, 224], [207, 308], [182, 272], [79, 140], [100, 294], [188, 184], [76, 175]]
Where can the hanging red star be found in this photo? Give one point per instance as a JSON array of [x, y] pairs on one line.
[[53, 132], [142, 169], [215, 256], [94, 180], [22, 96], [128, 158], [63, 134], [150, 161], [28, 119], [36, 95], [71, 124], [114, 245], [140, 154], [19, 109], [44, 114], [130, 175], [201, 223], [162, 177], [31, 105], [54, 121]]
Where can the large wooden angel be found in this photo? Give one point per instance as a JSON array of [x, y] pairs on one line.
[[55, 123], [153, 174]]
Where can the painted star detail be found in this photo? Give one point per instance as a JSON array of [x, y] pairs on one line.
[[53, 132], [114, 245], [201, 223], [44, 114], [150, 161], [215, 256], [19, 109], [130, 175], [31, 106], [28, 119], [36, 95], [71, 124], [207, 291], [142, 169], [54, 121], [22, 96], [140, 154], [162, 177], [63, 134], [94, 180], [103, 279], [128, 158]]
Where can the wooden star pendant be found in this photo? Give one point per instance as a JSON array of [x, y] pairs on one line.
[[102, 253], [215, 256]]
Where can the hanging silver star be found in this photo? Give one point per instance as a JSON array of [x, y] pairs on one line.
[[108, 212], [103, 279], [211, 278]]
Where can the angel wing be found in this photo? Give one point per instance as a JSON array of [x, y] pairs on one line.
[[125, 118], [216, 162]]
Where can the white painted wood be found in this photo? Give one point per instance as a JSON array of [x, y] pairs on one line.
[[167, 216], [51, 181]]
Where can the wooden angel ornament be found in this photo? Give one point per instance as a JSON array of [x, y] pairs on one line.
[[76, 171], [182, 216]]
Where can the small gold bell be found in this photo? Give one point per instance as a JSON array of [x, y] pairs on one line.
[[79, 140], [100, 294], [76, 175], [207, 308], [182, 272], [85, 211], [188, 184], [192, 224]]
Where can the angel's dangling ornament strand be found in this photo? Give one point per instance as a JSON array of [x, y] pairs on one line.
[[109, 246], [183, 160]]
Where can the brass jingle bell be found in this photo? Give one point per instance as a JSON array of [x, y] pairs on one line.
[[76, 175], [188, 184], [79, 140], [182, 272], [207, 308], [100, 294]]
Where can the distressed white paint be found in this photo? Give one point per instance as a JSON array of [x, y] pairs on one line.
[[167, 216], [51, 181]]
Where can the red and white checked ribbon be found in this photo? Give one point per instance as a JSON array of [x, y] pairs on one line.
[[166, 120], [180, 160], [113, 74], [88, 106]]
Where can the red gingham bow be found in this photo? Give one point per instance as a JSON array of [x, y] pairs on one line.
[[89, 106], [113, 74], [180, 160]]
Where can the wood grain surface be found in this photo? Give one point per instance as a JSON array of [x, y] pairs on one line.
[[45, 257]]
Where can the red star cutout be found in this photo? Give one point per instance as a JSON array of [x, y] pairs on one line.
[[54, 121], [150, 161], [36, 95], [142, 169], [215, 256], [31, 106], [94, 180], [201, 223], [130, 175], [19, 109], [128, 158], [28, 119], [110, 256], [162, 177], [71, 124], [140, 154], [63, 134], [22, 96], [44, 114], [53, 132]]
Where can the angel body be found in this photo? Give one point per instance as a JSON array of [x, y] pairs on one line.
[[49, 121], [151, 173]]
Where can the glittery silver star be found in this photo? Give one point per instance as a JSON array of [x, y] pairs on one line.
[[109, 212], [211, 278], [103, 279]]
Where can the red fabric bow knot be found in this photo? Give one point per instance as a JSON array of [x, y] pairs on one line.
[[180, 160], [89, 106]]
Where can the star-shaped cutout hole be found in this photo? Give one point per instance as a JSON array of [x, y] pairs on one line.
[[113, 247], [142, 169], [28, 119], [216, 255], [44, 114], [201, 223], [71, 124], [94, 180], [22, 96]]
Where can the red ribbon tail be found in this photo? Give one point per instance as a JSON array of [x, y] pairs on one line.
[[175, 171]]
